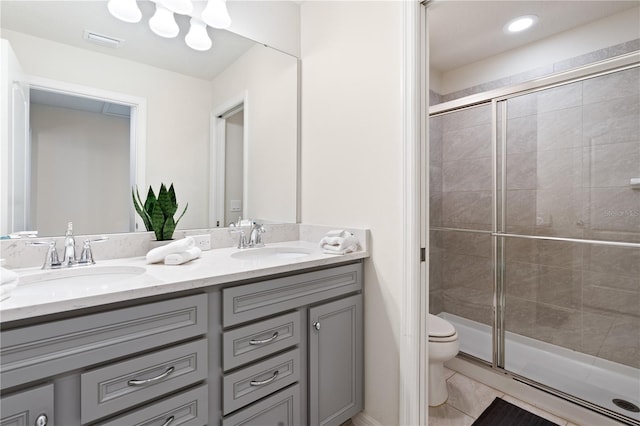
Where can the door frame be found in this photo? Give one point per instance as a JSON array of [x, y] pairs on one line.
[[137, 127], [217, 148]]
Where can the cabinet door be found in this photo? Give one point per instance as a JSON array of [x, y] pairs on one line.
[[335, 361], [31, 407]]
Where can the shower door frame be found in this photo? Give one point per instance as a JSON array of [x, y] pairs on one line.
[[497, 98]]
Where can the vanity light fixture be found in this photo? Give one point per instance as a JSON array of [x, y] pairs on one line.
[[197, 38], [125, 10], [216, 15], [520, 23], [163, 22]]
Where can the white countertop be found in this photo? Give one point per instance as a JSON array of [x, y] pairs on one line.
[[214, 267]]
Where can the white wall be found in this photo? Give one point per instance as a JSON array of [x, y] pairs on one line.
[[233, 156], [612, 30], [72, 151], [274, 23], [178, 109], [269, 80], [352, 162]]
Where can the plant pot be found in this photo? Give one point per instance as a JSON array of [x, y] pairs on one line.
[[155, 243]]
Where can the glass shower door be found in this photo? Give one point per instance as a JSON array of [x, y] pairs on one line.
[[461, 263], [571, 253]]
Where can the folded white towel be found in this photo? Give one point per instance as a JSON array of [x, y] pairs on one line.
[[6, 289], [158, 254], [183, 256], [339, 242], [7, 276]]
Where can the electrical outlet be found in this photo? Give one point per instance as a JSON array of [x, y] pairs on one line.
[[203, 242]]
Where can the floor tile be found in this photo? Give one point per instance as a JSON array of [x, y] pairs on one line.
[[469, 396], [446, 415]]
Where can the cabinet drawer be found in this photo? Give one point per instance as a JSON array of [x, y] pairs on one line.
[[23, 408], [281, 409], [258, 340], [186, 409], [32, 352], [119, 386], [257, 381], [248, 302]]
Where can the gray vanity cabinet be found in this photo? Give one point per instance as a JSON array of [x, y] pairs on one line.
[[297, 344], [335, 361], [30, 407], [280, 351]]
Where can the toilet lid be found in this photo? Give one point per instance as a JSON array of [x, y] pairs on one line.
[[439, 327]]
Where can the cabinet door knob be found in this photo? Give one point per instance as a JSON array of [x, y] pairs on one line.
[[316, 325], [42, 420]]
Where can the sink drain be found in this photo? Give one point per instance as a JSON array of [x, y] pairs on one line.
[[626, 405]]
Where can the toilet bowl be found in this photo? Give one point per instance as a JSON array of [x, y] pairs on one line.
[[443, 346]]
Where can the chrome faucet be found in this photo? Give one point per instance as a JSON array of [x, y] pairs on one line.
[[52, 260], [69, 257], [253, 240]]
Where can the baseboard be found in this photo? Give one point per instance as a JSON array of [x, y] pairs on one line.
[[362, 419]]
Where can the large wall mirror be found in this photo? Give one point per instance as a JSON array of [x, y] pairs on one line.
[[220, 125]]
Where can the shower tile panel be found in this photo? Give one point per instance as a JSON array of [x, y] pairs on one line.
[[613, 121], [467, 175], [610, 300], [469, 303], [467, 118], [522, 134], [611, 260], [467, 243], [467, 143], [459, 270], [469, 210], [561, 97], [521, 171], [619, 84], [614, 209], [559, 129], [611, 165]]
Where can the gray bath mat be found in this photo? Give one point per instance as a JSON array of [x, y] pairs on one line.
[[503, 413]]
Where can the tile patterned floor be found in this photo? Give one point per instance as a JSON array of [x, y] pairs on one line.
[[468, 399]]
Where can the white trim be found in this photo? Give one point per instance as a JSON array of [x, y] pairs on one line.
[[362, 419], [413, 374], [137, 132], [217, 155]]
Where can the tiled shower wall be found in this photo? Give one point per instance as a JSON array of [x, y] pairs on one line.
[[570, 153]]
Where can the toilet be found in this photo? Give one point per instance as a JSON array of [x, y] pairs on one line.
[[443, 346]]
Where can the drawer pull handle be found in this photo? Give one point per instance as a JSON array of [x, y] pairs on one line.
[[168, 421], [134, 382], [264, 382], [262, 342]]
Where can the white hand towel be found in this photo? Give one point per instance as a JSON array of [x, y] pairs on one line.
[[6, 289], [182, 257], [339, 242], [7, 276], [158, 254]]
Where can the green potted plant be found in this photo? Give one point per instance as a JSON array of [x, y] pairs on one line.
[[157, 212]]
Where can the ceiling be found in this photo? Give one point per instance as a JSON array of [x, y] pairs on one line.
[[66, 21], [463, 32], [478, 34]]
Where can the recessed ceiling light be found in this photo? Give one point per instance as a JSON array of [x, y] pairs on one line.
[[520, 23]]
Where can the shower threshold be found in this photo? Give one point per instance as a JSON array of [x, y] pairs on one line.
[[587, 377]]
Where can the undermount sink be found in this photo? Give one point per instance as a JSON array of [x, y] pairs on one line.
[[74, 282], [271, 253]]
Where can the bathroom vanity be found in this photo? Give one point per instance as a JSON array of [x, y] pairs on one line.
[[259, 345]]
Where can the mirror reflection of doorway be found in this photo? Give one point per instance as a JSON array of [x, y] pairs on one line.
[[80, 151], [234, 154]]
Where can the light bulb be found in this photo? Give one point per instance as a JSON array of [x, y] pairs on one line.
[[125, 10], [183, 7], [163, 23], [216, 15], [197, 38]]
